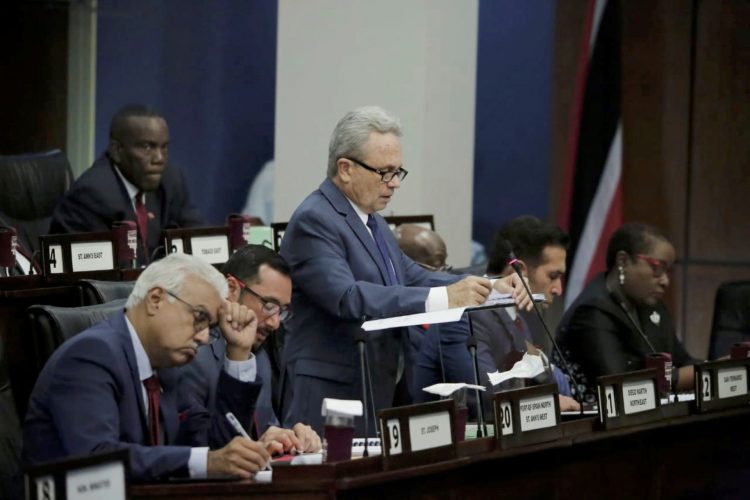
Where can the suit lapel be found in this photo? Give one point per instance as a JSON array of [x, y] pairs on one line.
[[123, 336], [339, 202]]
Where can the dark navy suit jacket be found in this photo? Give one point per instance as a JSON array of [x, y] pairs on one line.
[[98, 198], [339, 279], [598, 339], [200, 379], [88, 399]]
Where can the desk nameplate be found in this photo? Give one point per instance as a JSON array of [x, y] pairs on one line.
[[628, 399], [78, 253], [211, 244], [721, 384], [418, 434], [95, 477], [527, 416]]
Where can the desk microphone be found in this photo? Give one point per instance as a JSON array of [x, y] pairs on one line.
[[361, 337], [620, 299], [516, 265]]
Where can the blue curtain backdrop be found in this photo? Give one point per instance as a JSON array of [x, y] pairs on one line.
[[512, 134], [210, 67]]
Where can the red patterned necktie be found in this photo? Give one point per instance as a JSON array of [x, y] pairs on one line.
[[141, 215], [153, 390]]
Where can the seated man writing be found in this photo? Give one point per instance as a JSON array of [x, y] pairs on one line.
[[258, 278], [111, 386]]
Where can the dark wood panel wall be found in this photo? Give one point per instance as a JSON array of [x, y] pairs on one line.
[[34, 85], [686, 138]]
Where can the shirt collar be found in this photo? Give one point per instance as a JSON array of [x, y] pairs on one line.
[[129, 186], [362, 216], [141, 358]]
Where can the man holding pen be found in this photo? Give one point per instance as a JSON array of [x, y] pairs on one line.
[[111, 387]]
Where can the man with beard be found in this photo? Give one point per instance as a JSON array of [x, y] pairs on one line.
[[258, 278], [131, 181]]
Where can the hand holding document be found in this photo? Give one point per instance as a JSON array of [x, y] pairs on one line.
[[448, 388], [528, 367], [495, 299]]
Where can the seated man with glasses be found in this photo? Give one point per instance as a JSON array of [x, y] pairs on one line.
[[111, 387], [346, 267], [258, 278]]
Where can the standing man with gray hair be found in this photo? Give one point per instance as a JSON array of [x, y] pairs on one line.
[[111, 387], [347, 267]]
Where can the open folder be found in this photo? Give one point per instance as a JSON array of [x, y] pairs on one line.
[[495, 299]]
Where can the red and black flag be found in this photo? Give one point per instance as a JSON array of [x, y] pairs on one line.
[[591, 198]]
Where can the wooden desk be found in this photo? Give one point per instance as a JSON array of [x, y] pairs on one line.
[[699, 456]]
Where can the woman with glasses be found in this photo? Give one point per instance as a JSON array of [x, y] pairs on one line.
[[620, 316]]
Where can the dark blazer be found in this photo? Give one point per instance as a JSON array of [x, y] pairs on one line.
[[598, 339], [98, 198], [443, 357], [339, 279], [88, 398], [201, 376]]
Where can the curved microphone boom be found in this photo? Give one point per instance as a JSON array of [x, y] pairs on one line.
[[620, 299], [515, 264]]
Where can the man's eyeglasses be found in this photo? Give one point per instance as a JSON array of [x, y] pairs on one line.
[[201, 319], [443, 268], [658, 266], [269, 306], [386, 175]]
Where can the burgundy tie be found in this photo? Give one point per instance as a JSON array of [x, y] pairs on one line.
[[518, 324], [142, 216], [153, 391]]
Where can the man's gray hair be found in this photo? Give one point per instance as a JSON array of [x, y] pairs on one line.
[[353, 131], [170, 273]]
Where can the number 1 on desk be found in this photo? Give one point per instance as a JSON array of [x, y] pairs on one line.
[[609, 397], [394, 437]]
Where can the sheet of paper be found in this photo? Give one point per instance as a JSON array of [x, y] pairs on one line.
[[342, 407], [528, 367], [448, 389], [429, 318]]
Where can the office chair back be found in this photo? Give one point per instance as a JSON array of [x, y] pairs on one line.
[[30, 186], [98, 292], [50, 326], [731, 322]]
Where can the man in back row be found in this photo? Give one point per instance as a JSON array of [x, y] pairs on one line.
[[131, 181], [347, 267]]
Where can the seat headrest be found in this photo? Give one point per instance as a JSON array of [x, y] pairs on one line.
[[69, 321], [31, 184], [732, 307], [99, 292]]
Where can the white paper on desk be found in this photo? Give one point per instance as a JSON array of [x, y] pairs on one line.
[[308, 459], [342, 407], [428, 318], [263, 476], [528, 367], [448, 389]]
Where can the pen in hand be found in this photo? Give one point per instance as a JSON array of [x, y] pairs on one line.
[[237, 426]]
